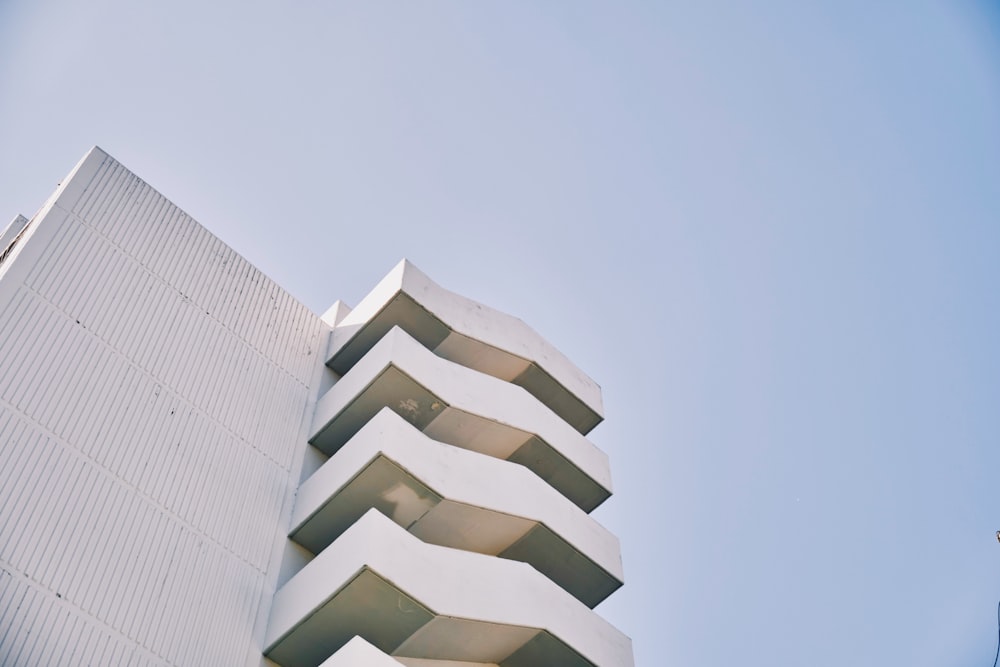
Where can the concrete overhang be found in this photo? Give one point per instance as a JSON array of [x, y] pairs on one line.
[[360, 653], [460, 499], [465, 408], [416, 600], [468, 333]]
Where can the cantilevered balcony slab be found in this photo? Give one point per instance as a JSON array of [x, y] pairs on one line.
[[470, 334], [359, 653], [417, 600], [456, 498], [465, 408], [420, 662]]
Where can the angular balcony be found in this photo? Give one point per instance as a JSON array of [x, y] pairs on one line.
[[359, 653], [468, 333], [460, 499], [465, 408], [415, 600]]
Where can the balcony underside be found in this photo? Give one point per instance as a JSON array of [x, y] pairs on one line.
[[471, 334], [450, 403], [416, 600], [459, 499]]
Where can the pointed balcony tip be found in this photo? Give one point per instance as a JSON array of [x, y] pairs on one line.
[[336, 313], [360, 653]]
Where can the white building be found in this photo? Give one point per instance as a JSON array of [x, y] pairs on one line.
[[197, 470]]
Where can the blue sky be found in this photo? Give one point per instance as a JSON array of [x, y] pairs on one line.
[[770, 233]]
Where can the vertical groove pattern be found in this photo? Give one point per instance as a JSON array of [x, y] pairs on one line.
[[153, 388]]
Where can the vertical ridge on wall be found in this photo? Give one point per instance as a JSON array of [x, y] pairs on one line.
[[153, 392], [36, 629], [115, 196]]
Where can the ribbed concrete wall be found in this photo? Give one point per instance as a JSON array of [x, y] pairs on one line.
[[153, 392]]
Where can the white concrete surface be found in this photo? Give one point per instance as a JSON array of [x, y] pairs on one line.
[[457, 498], [426, 601], [465, 408], [359, 653], [420, 662], [151, 412], [335, 313], [469, 333]]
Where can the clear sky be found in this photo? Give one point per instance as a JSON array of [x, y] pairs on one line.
[[771, 233]]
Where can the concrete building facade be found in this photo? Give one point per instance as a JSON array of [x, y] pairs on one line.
[[197, 470]]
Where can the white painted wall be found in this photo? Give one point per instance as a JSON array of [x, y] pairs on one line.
[[152, 394]]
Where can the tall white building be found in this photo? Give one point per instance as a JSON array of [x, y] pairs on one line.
[[197, 470]]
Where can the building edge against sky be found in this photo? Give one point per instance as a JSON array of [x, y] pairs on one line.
[[197, 470]]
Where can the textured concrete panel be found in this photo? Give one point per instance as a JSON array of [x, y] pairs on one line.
[[151, 404]]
